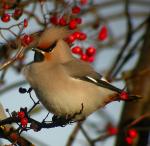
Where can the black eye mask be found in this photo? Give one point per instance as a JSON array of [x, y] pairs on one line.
[[50, 48], [38, 56]]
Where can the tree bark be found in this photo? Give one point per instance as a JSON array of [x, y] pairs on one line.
[[138, 85]]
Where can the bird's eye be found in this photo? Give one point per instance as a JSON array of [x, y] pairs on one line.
[[39, 53], [50, 48]]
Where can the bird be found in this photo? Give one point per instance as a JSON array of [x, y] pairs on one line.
[[66, 86]]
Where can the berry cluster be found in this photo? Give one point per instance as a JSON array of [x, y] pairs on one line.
[[6, 17], [90, 52], [131, 135], [87, 56], [72, 23], [16, 14], [62, 21], [80, 36], [23, 119]]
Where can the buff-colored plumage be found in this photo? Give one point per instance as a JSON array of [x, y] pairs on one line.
[[63, 84], [3, 116], [2, 113], [51, 35]]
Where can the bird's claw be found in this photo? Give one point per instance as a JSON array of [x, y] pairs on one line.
[[62, 120]]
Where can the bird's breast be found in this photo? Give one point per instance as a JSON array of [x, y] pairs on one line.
[[64, 95]]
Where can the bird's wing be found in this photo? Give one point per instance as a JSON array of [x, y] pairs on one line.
[[82, 70], [77, 69]]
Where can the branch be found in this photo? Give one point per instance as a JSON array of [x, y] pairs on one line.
[[112, 72], [138, 85]]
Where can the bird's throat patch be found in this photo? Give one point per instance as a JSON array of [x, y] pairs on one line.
[[47, 56]]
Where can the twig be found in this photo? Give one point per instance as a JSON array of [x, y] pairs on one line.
[[12, 86], [130, 54], [112, 72], [138, 120], [73, 135], [86, 136], [35, 104], [101, 137], [12, 60]]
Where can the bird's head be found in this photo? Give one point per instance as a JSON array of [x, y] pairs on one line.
[[52, 46]]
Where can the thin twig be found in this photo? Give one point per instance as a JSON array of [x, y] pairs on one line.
[[112, 72], [73, 135], [130, 54], [12, 86], [86, 136], [12, 60], [138, 120]]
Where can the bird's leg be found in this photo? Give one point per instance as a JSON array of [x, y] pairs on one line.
[[60, 120]]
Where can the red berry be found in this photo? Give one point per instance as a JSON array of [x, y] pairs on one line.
[[76, 10], [26, 40], [124, 95], [76, 34], [132, 133], [83, 2], [62, 21], [54, 20], [25, 23], [71, 39], [21, 114], [90, 51], [5, 18], [91, 59], [112, 130], [103, 34], [82, 36], [17, 13], [73, 24], [129, 140], [14, 136], [84, 57], [6, 6], [78, 20], [24, 122], [77, 50]]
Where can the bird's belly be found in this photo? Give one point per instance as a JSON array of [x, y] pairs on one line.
[[77, 98]]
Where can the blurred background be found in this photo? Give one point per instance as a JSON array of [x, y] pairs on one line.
[[119, 30]]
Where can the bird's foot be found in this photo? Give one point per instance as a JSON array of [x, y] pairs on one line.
[[62, 120]]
